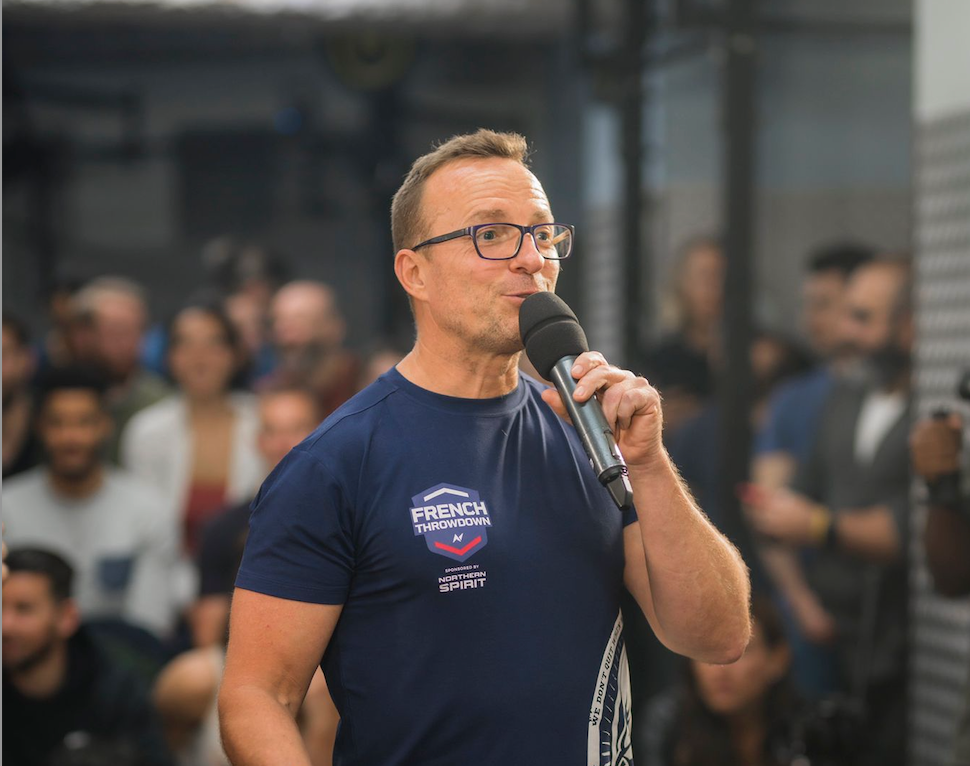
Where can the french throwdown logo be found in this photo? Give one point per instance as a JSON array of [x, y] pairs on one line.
[[453, 520]]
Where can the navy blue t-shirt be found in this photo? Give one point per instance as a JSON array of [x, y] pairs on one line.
[[480, 565]]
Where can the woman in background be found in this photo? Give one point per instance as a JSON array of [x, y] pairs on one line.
[[741, 714], [198, 446]]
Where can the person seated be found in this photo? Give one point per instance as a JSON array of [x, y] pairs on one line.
[[198, 445], [61, 692], [740, 714], [308, 331], [114, 530], [118, 310]]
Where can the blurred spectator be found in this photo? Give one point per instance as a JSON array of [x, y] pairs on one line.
[[730, 715], [197, 446], [286, 417], [936, 444], [785, 439], [115, 531], [60, 691], [120, 313], [695, 448], [850, 503], [21, 451], [681, 366], [71, 339], [308, 334]]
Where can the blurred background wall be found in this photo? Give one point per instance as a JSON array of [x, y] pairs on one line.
[[941, 636]]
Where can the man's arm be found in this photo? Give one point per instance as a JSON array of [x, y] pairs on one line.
[[870, 533], [774, 469], [936, 445], [689, 580], [274, 647]]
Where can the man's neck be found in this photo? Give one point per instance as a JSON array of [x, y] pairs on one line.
[[463, 375], [45, 679], [80, 488]]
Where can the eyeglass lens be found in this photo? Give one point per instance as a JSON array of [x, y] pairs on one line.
[[500, 241]]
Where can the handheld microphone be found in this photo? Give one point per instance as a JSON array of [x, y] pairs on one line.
[[553, 339]]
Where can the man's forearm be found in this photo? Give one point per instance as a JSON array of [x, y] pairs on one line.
[[868, 533], [259, 730], [698, 581]]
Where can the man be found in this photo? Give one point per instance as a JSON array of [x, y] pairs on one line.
[[114, 531], [20, 448], [441, 542], [786, 439], [286, 417], [59, 689], [851, 506], [119, 311], [308, 334]]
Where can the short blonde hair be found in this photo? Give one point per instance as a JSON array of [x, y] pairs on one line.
[[407, 223]]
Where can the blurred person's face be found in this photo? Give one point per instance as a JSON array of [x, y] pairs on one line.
[[17, 366], [200, 357], [119, 322], [286, 419], [823, 304], [741, 687], [465, 298], [246, 314], [381, 362], [34, 622], [305, 316], [73, 428], [702, 285], [873, 329]]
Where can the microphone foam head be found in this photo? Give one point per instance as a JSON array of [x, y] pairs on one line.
[[549, 331]]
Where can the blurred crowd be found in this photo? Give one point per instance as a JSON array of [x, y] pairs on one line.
[[132, 450]]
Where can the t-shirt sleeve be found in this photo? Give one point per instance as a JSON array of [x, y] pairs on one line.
[[301, 541]]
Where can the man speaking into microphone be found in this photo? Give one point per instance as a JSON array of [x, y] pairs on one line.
[[441, 546]]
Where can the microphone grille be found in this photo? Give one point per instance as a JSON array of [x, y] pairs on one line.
[[549, 331]]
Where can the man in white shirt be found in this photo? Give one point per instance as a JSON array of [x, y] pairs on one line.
[[112, 529]]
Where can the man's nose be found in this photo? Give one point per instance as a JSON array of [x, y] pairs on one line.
[[528, 258]]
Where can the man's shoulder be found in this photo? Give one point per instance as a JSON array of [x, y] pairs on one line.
[[793, 391], [355, 420]]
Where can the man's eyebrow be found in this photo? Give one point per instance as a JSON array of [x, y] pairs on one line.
[[498, 215]]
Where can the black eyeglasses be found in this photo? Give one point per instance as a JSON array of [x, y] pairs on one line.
[[502, 241]]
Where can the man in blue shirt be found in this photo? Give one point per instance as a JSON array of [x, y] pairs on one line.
[[440, 544]]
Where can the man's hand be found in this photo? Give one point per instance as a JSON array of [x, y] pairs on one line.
[[935, 446], [783, 515], [631, 406]]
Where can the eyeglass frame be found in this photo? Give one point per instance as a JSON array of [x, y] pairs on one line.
[[472, 231]]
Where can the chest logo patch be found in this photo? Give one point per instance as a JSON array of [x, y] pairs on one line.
[[453, 520]]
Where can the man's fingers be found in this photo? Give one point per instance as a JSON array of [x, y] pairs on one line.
[[551, 397]]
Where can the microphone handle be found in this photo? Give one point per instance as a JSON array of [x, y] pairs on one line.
[[595, 434]]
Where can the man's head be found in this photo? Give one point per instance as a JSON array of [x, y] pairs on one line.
[[119, 311], [286, 418], [73, 423], [39, 615], [305, 316], [878, 322], [18, 363], [455, 294], [823, 294]]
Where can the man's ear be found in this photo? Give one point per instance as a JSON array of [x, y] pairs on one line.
[[69, 619], [411, 271]]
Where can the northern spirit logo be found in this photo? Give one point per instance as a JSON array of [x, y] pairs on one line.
[[453, 520]]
